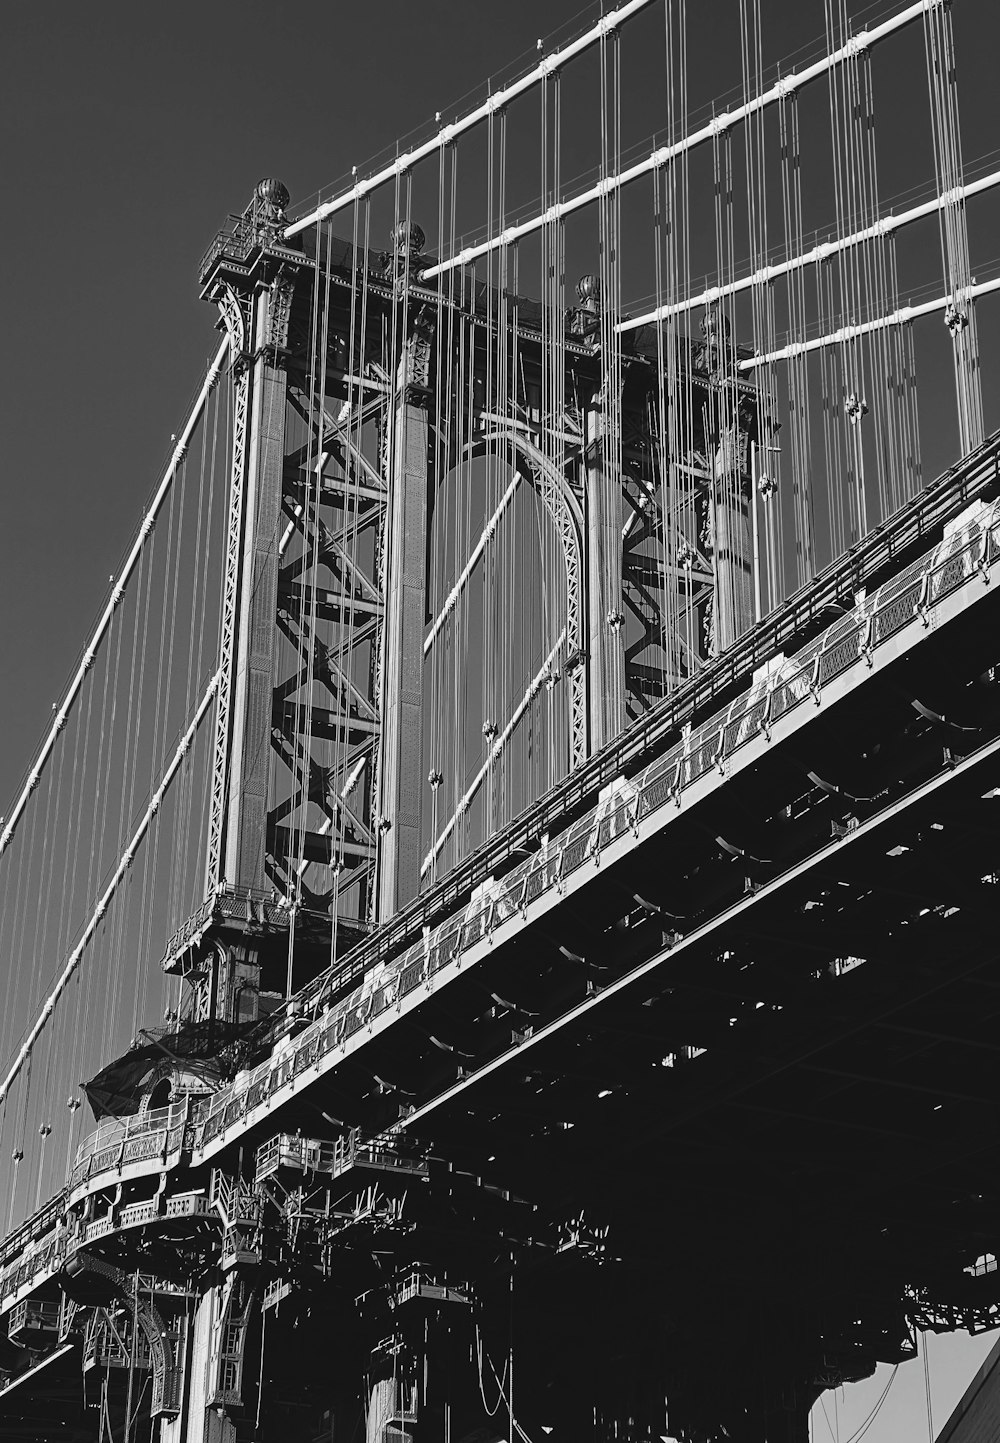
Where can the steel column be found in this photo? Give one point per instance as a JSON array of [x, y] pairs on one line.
[[404, 582], [605, 617]]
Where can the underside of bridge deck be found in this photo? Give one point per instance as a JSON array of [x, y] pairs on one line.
[[707, 1127], [579, 874], [707, 1136], [753, 1062]]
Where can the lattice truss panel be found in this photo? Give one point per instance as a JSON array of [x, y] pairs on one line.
[[325, 719], [718, 408], [593, 540]]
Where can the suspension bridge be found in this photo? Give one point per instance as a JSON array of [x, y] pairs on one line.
[[498, 930]]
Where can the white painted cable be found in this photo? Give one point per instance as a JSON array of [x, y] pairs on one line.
[[477, 551], [124, 862], [820, 252], [117, 592], [498, 745], [848, 333], [447, 133], [660, 157]]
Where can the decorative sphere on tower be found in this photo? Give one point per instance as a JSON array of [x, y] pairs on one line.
[[271, 194], [408, 237], [588, 290]]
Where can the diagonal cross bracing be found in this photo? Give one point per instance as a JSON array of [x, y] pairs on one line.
[[327, 824]]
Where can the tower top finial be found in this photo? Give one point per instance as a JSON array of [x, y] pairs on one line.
[[273, 194], [409, 237], [588, 290]]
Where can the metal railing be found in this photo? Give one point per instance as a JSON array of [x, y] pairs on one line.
[[34, 1227], [801, 679], [834, 589], [904, 600], [123, 1140]]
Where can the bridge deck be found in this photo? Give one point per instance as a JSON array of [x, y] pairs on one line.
[[882, 555], [527, 985]]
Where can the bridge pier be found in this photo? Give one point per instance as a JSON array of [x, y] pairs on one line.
[[383, 1408], [193, 1424], [215, 1409]]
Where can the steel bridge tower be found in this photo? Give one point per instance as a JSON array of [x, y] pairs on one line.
[[355, 490], [593, 922], [323, 482]]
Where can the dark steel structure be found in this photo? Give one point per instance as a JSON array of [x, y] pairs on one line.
[[645, 1090]]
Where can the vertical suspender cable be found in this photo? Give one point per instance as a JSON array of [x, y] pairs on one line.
[[104, 620]]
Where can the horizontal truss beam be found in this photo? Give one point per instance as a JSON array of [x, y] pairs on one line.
[[323, 722], [330, 605], [318, 846]]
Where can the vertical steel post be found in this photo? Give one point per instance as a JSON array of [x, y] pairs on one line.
[[250, 751], [404, 560], [605, 618], [732, 532]]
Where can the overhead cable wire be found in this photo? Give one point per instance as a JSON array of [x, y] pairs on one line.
[[404, 162], [124, 862], [725, 120], [104, 621], [899, 317], [494, 751]]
